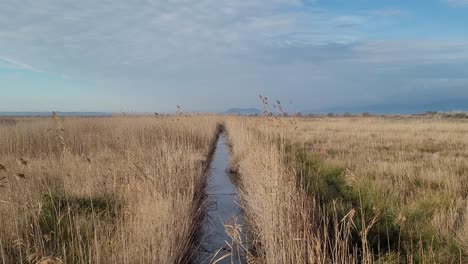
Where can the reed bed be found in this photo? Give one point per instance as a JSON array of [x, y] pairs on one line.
[[314, 190], [353, 190], [284, 224], [413, 171], [103, 190]]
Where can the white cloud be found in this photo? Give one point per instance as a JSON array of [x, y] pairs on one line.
[[157, 52], [412, 52], [103, 35]]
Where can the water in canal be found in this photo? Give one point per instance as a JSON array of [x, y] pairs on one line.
[[224, 217]]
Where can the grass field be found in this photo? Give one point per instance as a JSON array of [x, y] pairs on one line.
[[313, 190], [319, 190], [102, 190], [411, 173]]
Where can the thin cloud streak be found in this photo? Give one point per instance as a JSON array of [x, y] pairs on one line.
[[21, 65]]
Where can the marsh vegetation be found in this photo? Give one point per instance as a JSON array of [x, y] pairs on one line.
[[354, 190], [103, 190], [331, 189]]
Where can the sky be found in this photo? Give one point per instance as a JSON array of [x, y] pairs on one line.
[[211, 55]]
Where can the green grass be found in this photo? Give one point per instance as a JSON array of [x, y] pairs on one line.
[[67, 223], [391, 239]]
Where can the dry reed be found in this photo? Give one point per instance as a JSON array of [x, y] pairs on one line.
[[103, 190], [348, 190]]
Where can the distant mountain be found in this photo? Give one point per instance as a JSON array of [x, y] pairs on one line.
[[242, 111], [58, 114]]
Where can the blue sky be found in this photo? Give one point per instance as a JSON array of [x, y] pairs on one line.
[[210, 55]]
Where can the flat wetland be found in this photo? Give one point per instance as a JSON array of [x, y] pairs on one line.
[[157, 189]]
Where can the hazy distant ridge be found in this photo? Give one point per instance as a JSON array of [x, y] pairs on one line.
[[242, 111], [58, 113]]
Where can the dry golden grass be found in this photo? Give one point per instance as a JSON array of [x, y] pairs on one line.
[[102, 190], [346, 190], [284, 225], [413, 169], [314, 190]]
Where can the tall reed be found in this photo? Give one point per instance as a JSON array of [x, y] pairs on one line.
[[103, 190]]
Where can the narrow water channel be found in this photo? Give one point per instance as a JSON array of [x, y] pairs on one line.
[[223, 213]]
